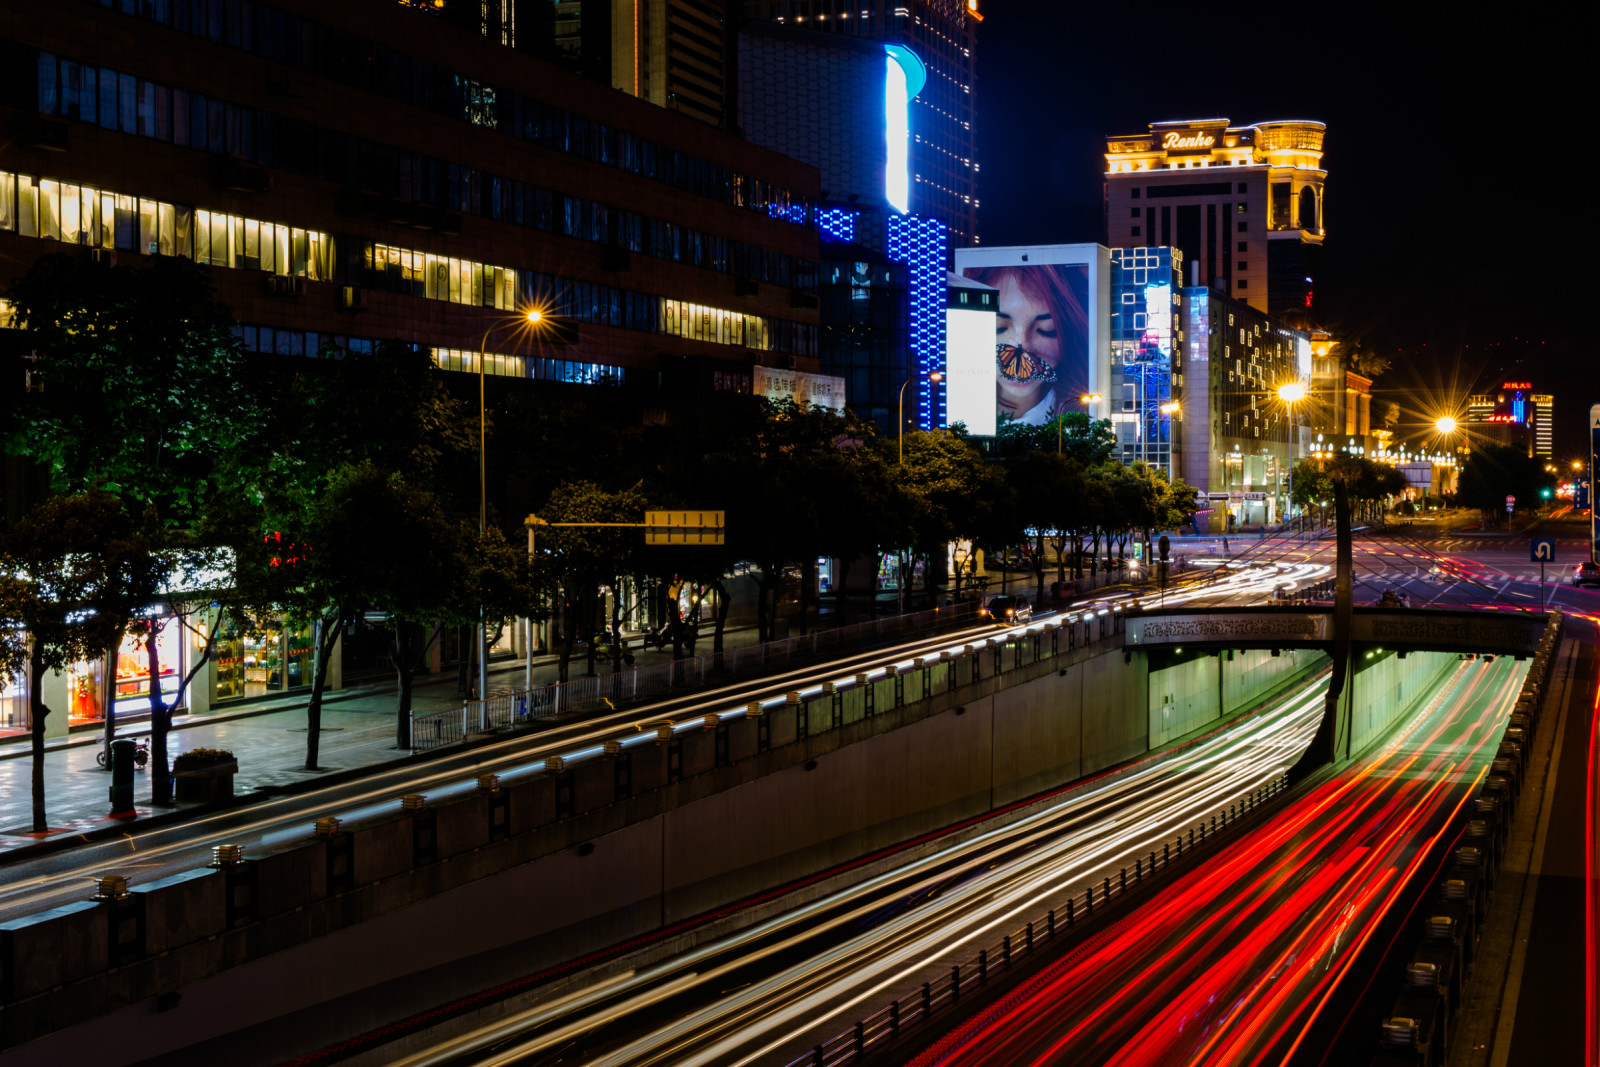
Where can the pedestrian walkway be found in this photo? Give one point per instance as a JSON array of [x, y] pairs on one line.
[[268, 738]]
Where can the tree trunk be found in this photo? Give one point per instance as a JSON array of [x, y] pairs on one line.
[[723, 607], [37, 712], [564, 665], [108, 697], [160, 722], [930, 580], [616, 627], [841, 591], [324, 633], [1038, 569], [405, 669]]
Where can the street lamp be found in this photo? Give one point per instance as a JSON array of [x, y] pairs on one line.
[[900, 434], [1291, 393], [529, 318]]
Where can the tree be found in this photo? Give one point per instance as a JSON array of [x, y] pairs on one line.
[[137, 388], [137, 384], [348, 428], [953, 493], [577, 560], [1494, 472], [71, 574], [1072, 433]]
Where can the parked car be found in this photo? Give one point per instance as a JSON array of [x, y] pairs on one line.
[[1586, 573], [1007, 610]]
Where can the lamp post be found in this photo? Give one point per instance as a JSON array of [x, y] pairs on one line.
[[531, 317], [1290, 393], [900, 428]]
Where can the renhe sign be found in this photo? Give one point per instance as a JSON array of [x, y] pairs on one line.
[[1190, 141]]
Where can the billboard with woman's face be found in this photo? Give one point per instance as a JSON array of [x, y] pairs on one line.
[[1045, 330]]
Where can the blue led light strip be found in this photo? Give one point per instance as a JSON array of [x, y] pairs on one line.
[[923, 245]]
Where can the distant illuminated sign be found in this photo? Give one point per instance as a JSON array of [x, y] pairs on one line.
[[904, 79], [1517, 385], [1196, 141]]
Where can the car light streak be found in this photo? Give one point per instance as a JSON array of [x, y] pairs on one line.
[[955, 896], [1238, 959]]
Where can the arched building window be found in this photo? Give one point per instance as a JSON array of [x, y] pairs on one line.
[[1308, 209]]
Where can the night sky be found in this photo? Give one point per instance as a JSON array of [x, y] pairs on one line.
[[1460, 152]]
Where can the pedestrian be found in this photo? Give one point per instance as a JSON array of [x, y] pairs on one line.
[[1224, 546]]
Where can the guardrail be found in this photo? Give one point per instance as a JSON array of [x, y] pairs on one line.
[[913, 1010], [606, 691]]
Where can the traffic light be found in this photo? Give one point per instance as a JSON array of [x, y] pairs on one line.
[[1545, 492]]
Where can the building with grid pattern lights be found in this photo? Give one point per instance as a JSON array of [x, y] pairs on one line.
[[1244, 203], [1146, 352], [943, 33]]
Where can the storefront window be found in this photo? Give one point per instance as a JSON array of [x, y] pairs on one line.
[[84, 692], [263, 662], [133, 667], [14, 701], [227, 659], [300, 647]]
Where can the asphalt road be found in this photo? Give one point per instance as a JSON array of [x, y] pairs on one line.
[[766, 994], [1256, 956]]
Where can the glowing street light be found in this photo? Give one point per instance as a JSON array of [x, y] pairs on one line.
[[1291, 392], [1170, 409], [1445, 424]]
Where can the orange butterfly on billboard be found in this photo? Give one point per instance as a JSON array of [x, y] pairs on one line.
[[1019, 365]]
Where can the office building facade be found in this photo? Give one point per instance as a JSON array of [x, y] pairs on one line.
[[1512, 415], [1237, 439], [943, 119], [1243, 203], [1146, 353], [367, 172]]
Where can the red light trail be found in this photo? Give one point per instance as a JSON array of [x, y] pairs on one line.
[[1240, 958]]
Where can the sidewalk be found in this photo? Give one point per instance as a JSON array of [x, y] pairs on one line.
[[269, 739]]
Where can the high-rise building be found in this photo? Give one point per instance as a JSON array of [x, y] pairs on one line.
[[1237, 439], [943, 33], [1543, 426], [673, 53], [1146, 353], [1513, 415], [1243, 203]]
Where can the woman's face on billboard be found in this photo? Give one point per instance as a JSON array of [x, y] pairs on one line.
[[1027, 322]]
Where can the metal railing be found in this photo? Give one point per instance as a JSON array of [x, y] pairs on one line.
[[913, 1010], [604, 692]]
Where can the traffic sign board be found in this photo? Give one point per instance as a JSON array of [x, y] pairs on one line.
[[1542, 550], [1511, 503]]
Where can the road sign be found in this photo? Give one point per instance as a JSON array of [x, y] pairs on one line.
[[1594, 458], [1542, 550], [1511, 503], [683, 528]]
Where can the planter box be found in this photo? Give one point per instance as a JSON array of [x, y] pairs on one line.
[[209, 782]]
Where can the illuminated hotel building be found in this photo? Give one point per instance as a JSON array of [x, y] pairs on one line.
[[943, 33], [1243, 203], [1513, 415]]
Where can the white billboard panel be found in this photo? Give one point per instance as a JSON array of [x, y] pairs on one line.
[[970, 370]]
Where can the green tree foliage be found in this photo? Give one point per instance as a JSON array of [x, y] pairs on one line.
[[1494, 472], [72, 573], [137, 385], [578, 560]]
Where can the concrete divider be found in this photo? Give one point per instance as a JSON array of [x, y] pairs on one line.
[[600, 850]]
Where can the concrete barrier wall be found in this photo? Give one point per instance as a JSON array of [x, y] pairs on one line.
[[579, 861], [1381, 687], [1184, 697]]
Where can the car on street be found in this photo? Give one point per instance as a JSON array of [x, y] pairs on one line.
[[1586, 573], [1008, 610]]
